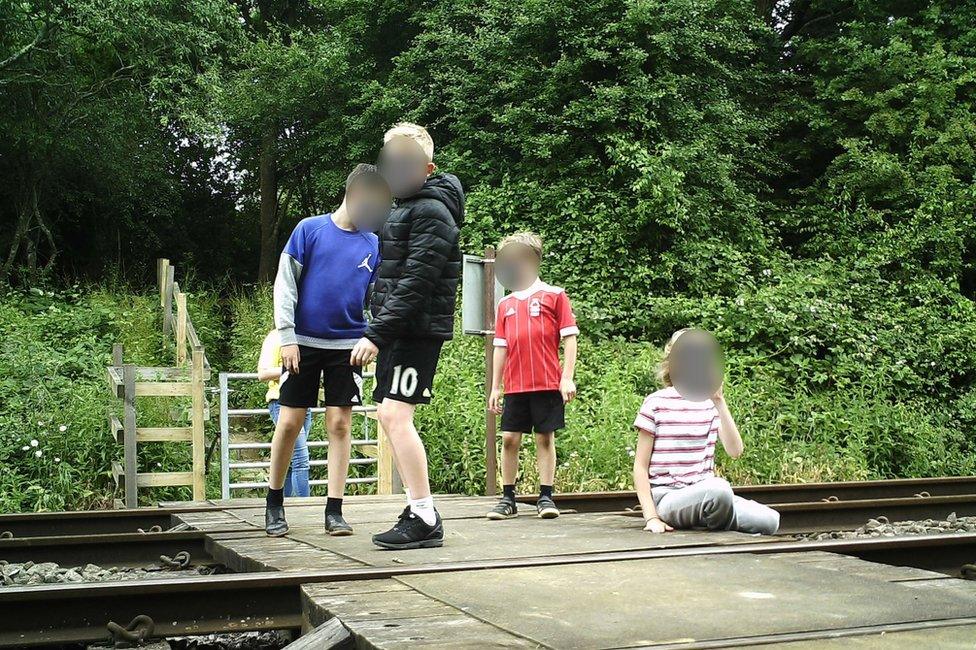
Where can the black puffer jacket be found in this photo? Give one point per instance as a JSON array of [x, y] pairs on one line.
[[420, 265]]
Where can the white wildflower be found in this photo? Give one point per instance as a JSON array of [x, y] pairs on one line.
[[34, 443], [38, 453], [57, 459], [62, 428], [25, 448]]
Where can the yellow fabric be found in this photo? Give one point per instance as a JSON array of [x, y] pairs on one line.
[[270, 359]]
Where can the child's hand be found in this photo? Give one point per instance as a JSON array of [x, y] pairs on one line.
[[495, 401], [719, 394], [568, 388], [290, 358], [364, 352], [655, 525]]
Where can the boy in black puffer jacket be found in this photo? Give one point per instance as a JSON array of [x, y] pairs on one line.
[[413, 314]]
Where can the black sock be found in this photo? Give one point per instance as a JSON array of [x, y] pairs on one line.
[[276, 497], [545, 491], [333, 505], [508, 491]]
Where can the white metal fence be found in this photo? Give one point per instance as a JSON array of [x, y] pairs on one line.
[[228, 466]]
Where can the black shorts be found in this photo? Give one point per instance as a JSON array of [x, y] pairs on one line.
[[542, 411], [405, 370], [343, 382]]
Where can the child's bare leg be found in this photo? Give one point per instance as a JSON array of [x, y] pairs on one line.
[[506, 508], [290, 421], [338, 422], [397, 420], [545, 454], [511, 443]]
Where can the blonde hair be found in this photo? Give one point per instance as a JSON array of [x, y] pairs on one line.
[[664, 367], [525, 238], [414, 132]]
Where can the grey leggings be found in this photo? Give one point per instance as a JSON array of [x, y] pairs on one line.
[[711, 504]]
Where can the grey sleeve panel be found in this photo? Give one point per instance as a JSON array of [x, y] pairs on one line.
[[286, 298]]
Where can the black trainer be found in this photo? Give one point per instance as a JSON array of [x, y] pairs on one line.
[[547, 508], [410, 531], [504, 509], [274, 521], [335, 525]]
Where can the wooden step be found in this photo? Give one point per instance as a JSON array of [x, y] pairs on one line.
[[161, 479], [164, 434], [163, 389]]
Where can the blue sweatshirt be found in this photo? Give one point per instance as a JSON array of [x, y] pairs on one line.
[[324, 275]]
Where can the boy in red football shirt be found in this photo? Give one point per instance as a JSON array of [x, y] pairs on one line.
[[529, 326]]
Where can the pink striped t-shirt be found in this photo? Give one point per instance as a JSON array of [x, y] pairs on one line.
[[684, 437]]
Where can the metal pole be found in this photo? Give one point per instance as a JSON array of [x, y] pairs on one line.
[[224, 440], [491, 450]]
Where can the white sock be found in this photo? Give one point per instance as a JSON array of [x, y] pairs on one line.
[[406, 491], [424, 508]]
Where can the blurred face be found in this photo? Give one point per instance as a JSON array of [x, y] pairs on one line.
[[696, 365], [516, 267], [368, 202], [404, 165]]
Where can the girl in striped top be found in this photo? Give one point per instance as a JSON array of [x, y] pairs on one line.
[[674, 465]]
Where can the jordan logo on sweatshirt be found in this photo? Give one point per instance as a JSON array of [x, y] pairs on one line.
[[365, 263]]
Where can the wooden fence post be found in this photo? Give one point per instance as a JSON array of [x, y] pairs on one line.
[[168, 299], [162, 272], [117, 354], [180, 329], [129, 432], [197, 417], [491, 444]]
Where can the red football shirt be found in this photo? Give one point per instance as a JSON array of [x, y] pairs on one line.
[[530, 323]]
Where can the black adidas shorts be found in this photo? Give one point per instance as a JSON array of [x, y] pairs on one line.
[[405, 370], [542, 411], [343, 382]]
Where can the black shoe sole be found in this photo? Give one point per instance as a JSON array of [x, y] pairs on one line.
[[424, 543]]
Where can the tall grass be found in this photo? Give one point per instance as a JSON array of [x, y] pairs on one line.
[[56, 451]]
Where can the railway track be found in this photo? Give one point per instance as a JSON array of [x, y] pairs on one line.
[[74, 613], [130, 521], [782, 493]]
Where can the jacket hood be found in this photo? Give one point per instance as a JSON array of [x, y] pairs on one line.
[[447, 189]]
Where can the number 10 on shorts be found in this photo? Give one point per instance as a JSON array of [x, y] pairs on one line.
[[404, 381]]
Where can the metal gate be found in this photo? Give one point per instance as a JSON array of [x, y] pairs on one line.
[[373, 448]]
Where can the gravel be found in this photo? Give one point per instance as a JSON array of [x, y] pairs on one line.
[[271, 640], [41, 573], [881, 527], [236, 641]]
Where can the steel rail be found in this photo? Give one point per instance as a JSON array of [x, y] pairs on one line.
[[121, 521], [47, 614], [786, 492], [110, 550], [826, 516]]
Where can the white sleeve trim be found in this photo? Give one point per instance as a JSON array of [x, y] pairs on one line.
[[500, 343], [569, 331]]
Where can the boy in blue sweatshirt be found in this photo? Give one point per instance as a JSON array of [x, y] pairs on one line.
[[320, 293]]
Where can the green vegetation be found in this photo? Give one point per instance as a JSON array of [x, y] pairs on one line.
[[798, 177]]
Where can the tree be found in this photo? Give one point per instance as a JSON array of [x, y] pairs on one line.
[[92, 95]]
